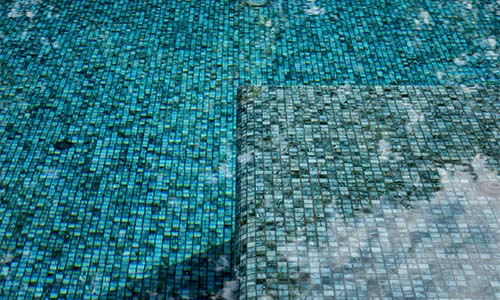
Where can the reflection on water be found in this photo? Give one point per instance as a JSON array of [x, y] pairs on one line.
[[446, 247], [368, 192]]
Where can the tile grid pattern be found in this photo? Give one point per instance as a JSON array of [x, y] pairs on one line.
[[116, 164], [361, 192], [368, 43], [116, 85]]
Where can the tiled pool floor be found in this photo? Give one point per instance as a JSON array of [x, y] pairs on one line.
[[116, 164], [118, 129]]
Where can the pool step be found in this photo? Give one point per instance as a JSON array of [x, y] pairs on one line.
[[367, 192]]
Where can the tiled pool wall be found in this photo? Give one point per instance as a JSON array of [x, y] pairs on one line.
[[117, 125]]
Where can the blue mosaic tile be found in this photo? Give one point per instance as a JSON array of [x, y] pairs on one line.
[[117, 129], [387, 192], [116, 167]]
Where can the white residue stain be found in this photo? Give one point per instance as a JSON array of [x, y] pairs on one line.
[[245, 158], [27, 8], [384, 150], [229, 290], [15, 11], [415, 117], [491, 55], [30, 14], [460, 61], [312, 9], [225, 170], [425, 17], [492, 42]]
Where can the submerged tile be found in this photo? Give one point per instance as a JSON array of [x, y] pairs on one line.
[[372, 191]]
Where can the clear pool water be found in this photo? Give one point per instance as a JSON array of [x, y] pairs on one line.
[[118, 142]]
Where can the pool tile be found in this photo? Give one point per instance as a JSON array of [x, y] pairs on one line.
[[368, 191]]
